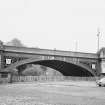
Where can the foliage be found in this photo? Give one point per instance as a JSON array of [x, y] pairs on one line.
[[44, 68], [15, 42], [32, 70]]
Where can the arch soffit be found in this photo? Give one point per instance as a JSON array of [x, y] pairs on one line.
[[31, 60]]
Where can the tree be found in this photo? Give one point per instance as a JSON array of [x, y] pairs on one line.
[[44, 69], [33, 70], [15, 42]]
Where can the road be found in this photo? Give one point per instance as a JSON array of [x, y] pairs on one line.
[[52, 93]]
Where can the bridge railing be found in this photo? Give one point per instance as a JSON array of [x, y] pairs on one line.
[[81, 78], [35, 78]]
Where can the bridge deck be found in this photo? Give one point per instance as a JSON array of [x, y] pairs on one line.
[[50, 52]]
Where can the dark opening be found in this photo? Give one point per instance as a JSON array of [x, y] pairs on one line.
[[67, 69]]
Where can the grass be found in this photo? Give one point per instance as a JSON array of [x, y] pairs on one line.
[[55, 93]]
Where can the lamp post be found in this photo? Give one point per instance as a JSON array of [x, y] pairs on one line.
[[54, 52], [98, 39], [76, 46]]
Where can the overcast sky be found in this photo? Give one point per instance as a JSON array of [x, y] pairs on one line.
[[61, 24]]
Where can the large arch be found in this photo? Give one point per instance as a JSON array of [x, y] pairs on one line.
[[66, 68]]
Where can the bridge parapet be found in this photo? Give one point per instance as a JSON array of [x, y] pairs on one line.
[[49, 52]]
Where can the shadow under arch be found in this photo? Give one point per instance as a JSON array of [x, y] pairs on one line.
[[66, 68]]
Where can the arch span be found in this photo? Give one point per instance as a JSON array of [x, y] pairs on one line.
[[66, 68]]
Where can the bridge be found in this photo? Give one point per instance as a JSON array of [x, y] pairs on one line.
[[67, 62]]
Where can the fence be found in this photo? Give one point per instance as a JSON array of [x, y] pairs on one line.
[[35, 78], [81, 78], [48, 78]]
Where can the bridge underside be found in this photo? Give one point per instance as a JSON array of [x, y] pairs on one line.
[[67, 69]]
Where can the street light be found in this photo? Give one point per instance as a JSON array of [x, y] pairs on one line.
[[98, 39], [76, 46], [54, 52]]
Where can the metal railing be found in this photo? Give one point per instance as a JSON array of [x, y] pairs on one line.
[[51, 78]]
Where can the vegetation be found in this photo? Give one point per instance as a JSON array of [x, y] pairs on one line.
[[15, 42]]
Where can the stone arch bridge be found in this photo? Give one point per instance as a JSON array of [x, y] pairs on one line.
[[67, 62]]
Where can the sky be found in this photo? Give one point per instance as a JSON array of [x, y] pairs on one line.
[[69, 25]]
